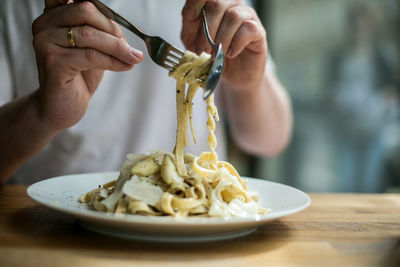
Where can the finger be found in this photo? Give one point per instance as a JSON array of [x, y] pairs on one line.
[[214, 15], [89, 37], [83, 59], [231, 22], [192, 30], [215, 11], [251, 35], [192, 9], [76, 14], [54, 3]]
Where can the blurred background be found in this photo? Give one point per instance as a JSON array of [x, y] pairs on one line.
[[339, 60]]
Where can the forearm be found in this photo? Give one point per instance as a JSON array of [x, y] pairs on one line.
[[23, 134], [260, 118]]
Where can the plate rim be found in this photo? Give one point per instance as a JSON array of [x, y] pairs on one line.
[[167, 220]]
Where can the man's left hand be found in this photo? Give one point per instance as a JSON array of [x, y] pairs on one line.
[[241, 33]]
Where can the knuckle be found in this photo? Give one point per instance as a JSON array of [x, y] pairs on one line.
[[115, 30], [37, 41], [233, 14], [213, 4], [87, 32], [36, 25], [263, 33], [253, 12], [91, 55], [251, 26], [51, 58], [87, 7], [183, 11], [120, 45], [112, 64]]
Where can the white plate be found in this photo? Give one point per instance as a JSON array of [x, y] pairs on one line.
[[61, 193]]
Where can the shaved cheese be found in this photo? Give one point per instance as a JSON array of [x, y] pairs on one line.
[[143, 191]]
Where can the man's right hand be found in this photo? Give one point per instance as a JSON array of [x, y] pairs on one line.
[[68, 75]]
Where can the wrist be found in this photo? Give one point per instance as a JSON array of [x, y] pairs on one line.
[[39, 122], [24, 133], [252, 87]]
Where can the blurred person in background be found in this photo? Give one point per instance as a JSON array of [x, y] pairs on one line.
[[49, 128], [364, 102]]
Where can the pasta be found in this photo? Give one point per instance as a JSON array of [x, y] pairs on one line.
[[179, 184]]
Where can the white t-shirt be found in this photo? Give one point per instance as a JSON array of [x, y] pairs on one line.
[[132, 111]]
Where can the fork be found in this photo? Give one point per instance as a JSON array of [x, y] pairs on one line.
[[218, 64], [160, 51]]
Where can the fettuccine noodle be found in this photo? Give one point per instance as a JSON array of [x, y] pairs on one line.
[[179, 184]]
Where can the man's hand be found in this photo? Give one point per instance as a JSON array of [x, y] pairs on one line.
[[68, 75], [241, 33], [256, 104]]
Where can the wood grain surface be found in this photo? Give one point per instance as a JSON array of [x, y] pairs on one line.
[[336, 230]]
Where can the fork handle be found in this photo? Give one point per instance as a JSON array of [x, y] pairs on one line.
[[111, 14]]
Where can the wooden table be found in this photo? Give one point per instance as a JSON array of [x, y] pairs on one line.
[[336, 230]]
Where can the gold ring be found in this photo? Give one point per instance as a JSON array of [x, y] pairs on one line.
[[70, 38]]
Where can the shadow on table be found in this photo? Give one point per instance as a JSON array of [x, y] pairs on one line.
[[393, 257], [40, 227]]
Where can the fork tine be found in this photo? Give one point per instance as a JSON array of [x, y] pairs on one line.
[[169, 65], [174, 56], [175, 50], [172, 60]]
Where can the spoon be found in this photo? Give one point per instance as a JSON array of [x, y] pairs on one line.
[[218, 64]]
